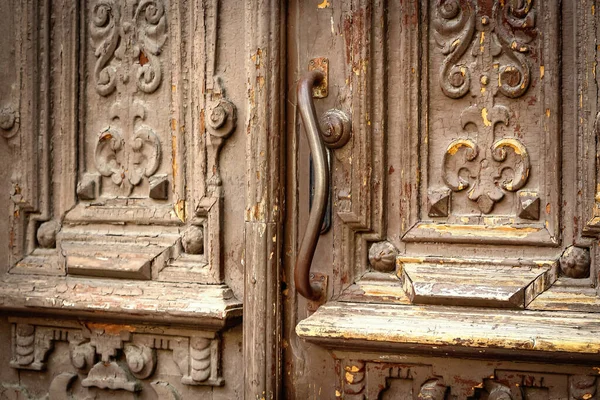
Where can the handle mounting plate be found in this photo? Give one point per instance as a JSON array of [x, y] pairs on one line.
[[321, 90]]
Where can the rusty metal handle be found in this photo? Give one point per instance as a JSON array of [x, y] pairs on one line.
[[321, 185]]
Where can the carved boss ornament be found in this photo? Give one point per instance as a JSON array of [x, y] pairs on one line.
[[486, 56]]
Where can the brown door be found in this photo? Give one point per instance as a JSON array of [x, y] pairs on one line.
[[123, 180], [457, 259], [165, 178]]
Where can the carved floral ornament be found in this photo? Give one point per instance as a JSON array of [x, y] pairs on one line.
[[485, 55], [128, 39], [116, 360]]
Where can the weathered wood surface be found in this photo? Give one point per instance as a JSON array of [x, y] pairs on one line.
[[565, 298], [263, 226], [212, 306], [385, 326], [501, 286]]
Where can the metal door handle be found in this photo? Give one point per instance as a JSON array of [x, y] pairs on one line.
[[321, 184], [337, 124]]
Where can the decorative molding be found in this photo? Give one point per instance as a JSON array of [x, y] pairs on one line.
[[485, 164], [497, 64], [113, 357], [359, 196], [128, 39], [583, 387], [354, 379], [382, 256], [365, 379], [59, 388], [575, 262], [265, 47], [135, 171]]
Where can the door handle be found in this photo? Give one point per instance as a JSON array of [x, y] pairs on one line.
[[338, 133]]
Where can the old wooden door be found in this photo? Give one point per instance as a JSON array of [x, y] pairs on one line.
[[461, 260], [139, 159]]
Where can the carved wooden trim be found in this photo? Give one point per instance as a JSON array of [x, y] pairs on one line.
[[116, 357], [413, 379], [133, 58], [210, 307], [265, 166], [466, 70], [360, 184], [460, 331], [32, 181]]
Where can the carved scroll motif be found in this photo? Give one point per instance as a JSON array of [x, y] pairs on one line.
[[117, 360], [128, 38], [486, 165]]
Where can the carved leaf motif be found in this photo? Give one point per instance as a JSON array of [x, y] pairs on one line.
[[145, 155], [488, 166], [105, 37], [486, 173], [151, 36], [108, 155], [514, 77], [453, 31]]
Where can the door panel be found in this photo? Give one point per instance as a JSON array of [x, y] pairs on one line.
[[463, 204], [124, 273]]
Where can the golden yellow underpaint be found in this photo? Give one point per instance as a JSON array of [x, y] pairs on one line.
[[180, 210], [484, 117], [455, 43], [256, 57], [174, 154], [481, 39], [514, 144], [593, 9], [110, 329], [482, 231], [338, 394], [457, 144], [541, 72], [349, 377], [324, 4], [548, 112]]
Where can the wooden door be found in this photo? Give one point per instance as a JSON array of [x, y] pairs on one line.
[[128, 129], [461, 260]]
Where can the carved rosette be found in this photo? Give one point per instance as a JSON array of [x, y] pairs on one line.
[[382, 256], [485, 55], [575, 262]]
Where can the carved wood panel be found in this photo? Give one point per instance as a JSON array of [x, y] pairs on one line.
[[147, 143], [458, 143], [484, 169]]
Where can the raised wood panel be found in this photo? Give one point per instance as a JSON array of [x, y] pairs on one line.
[[484, 171]]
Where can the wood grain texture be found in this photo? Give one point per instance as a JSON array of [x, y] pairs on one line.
[[472, 330], [264, 189], [210, 306]]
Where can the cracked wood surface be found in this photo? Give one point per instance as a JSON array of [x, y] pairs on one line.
[[474, 330], [209, 306]]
